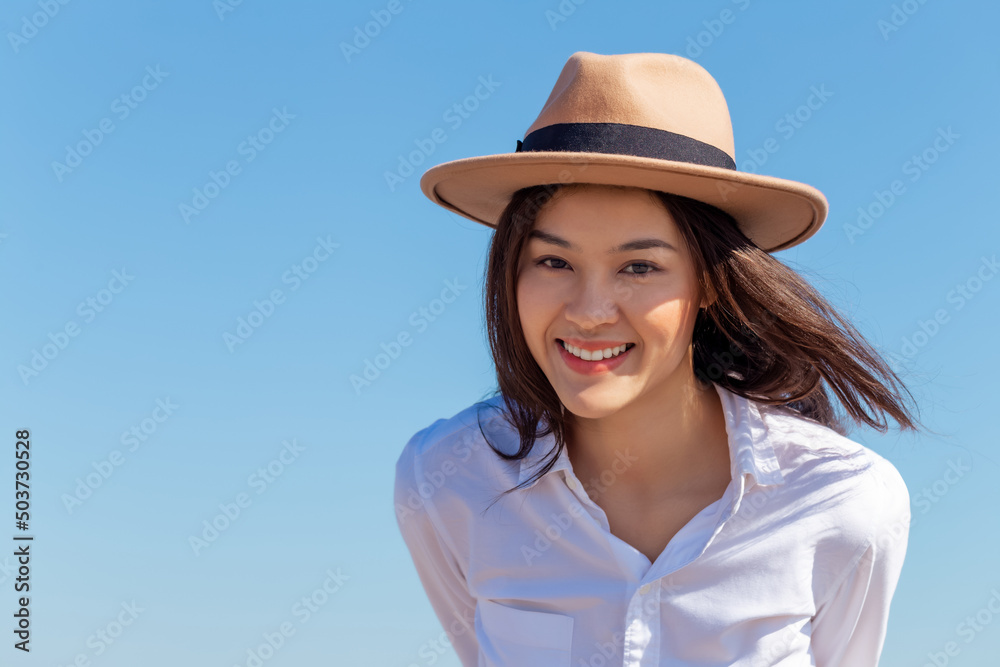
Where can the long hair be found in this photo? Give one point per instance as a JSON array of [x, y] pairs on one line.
[[767, 335]]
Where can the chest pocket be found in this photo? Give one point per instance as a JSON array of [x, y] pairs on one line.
[[510, 637]]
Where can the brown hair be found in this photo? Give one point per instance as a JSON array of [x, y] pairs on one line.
[[767, 335]]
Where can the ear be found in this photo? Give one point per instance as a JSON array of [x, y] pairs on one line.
[[708, 295]]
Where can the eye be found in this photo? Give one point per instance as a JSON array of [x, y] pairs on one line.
[[650, 268], [541, 262], [646, 269]]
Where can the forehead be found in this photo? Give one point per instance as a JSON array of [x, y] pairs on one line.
[[609, 211]]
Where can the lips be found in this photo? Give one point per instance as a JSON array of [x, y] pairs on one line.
[[584, 367]]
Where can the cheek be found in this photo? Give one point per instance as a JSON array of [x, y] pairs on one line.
[[531, 307], [669, 321]]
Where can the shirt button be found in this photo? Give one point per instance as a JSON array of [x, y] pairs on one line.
[[571, 483], [645, 589]]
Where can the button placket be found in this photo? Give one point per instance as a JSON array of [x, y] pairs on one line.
[[641, 643]]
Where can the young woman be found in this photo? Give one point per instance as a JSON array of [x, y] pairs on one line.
[[662, 478]]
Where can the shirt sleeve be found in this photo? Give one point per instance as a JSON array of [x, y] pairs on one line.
[[849, 628], [437, 566]]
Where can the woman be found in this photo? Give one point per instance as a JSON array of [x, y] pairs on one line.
[[677, 486]]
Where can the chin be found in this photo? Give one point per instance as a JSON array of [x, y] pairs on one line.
[[594, 402]]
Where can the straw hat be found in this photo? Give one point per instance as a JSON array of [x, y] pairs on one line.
[[651, 120]]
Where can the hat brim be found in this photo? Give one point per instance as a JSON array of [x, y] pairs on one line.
[[774, 213]]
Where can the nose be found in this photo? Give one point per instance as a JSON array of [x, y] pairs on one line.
[[591, 304]]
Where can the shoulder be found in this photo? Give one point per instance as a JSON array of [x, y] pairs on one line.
[[858, 496], [450, 465], [454, 438], [815, 451]]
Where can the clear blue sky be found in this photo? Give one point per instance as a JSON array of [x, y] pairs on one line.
[[170, 168]]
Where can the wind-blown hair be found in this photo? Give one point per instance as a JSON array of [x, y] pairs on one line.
[[767, 335]]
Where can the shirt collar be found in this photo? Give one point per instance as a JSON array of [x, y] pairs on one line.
[[750, 449]]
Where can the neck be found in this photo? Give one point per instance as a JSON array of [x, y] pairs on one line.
[[664, 443]]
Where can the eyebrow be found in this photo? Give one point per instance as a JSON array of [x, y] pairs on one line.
[[637, 244]]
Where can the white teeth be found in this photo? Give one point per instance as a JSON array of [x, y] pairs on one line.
[[596, 355]]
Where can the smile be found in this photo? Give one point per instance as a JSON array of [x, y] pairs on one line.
[[596, 355], [577, 359]]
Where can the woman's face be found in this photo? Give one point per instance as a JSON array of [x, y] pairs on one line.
[[603, 268]]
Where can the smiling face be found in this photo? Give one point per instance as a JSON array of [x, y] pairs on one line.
[[603, 268]]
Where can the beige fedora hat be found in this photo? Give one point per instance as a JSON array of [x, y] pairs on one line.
[[651, 120]]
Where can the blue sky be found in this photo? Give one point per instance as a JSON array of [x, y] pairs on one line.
[[170, 170]]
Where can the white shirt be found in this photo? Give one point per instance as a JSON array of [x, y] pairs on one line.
[[796, 564]]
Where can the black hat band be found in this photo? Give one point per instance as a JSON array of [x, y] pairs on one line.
[[624, 139]]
